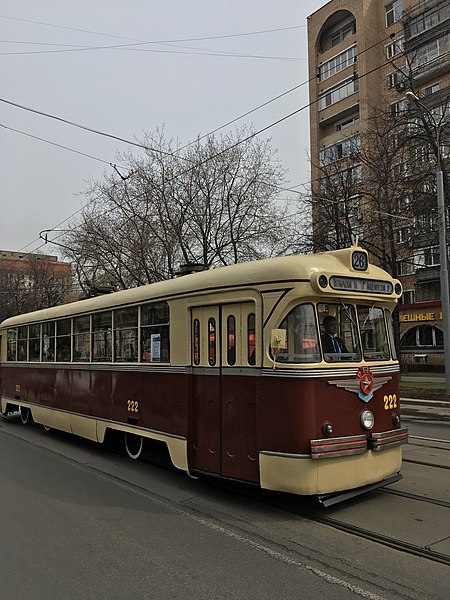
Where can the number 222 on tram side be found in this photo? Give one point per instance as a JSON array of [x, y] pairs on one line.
[[230, 369]]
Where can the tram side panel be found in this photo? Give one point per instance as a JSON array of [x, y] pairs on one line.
[[154, 400], [239, 427], [286, 414]]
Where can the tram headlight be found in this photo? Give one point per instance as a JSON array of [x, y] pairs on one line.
[[327, 428], [323, 281], [398, 289], [367, 419]]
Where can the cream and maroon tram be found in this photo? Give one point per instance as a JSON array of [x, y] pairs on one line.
[[229, 370]]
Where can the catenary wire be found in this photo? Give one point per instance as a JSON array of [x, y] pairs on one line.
[[245, 139]]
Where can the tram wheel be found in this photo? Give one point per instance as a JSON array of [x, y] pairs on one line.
[[134, 444], [25, 415]]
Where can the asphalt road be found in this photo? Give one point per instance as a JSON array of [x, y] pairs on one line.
[[78, 521]]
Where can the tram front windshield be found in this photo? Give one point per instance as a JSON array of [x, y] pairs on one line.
[[346, 333]]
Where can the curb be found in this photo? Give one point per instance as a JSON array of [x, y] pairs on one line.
[[421, 402]]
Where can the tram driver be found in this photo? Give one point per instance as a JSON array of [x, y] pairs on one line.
[[331, 343]]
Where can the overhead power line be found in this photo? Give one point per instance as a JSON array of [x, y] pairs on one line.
[[360, 76], [163, 41]]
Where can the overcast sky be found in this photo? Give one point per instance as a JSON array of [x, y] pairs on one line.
[[191, 87]]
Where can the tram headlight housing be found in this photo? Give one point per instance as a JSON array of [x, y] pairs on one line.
[[323, 281], [367, 419], [327, 428], [396, 420]]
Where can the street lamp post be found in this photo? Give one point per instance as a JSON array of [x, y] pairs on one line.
[[442, 235]]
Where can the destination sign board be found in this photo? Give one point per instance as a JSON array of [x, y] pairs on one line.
[[362, 286]]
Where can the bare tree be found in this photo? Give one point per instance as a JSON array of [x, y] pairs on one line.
[[212, 202]]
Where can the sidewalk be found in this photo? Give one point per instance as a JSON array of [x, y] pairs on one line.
[[425, 410], [419, 408]]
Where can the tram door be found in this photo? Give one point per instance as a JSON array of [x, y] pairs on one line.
[[224, 392]]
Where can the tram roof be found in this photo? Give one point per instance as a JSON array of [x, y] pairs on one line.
[[256, 274]]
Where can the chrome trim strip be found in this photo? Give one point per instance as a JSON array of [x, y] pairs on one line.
[[388, 439], [129, 367], [284, 454], [334, 447], [327, 372]]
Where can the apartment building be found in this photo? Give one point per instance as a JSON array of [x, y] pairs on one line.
[[364, 56], [30, 281]]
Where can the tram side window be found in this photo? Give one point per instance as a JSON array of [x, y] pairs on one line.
[[34, 343], [251, 339], [155, 345], [340, 342], [374, 335], [231, 340], [102, 337], [212, 342], [11, 342], [63, 340], [196, 341], [126, 334], [48, 342], [82, 339], [22, 342], [302, 345]]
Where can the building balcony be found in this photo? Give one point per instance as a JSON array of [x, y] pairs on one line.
[[428, 274], [419, 8], [426, 22], [431, 69], [338, 111]]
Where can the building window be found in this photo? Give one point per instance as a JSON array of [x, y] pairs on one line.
[[432, 50], [353, 120], [428, 19], [337, 93], [393, 12], [407, 297], [344, 32], [343, 149], [432, 89], [397, 80], [402, 235], [395, 48], [337, 63], [397, 108], [423, 335], [405, 267]]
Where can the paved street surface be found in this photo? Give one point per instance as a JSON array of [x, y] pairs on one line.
[[78, 521]]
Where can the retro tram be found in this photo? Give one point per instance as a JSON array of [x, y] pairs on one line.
[[227, 369]]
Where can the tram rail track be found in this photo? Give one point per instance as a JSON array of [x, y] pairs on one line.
[[417, 497], [316, 515]]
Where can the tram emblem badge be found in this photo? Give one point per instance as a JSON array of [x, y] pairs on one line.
[[364, 384]]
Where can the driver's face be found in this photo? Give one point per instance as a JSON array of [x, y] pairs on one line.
[[331, 327]]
